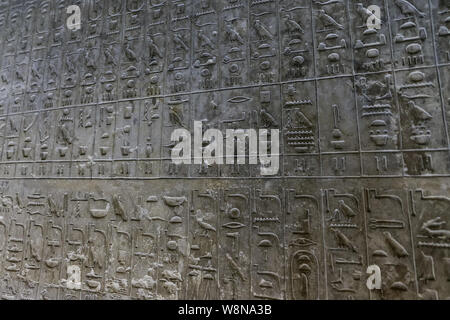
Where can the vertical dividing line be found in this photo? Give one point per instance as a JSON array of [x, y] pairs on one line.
[[14, 162], [281, 146], [249, 46], [285, 194], [324, 250], [446, 131], [364, 205], [158, 256], [65, 227], [96, 105], [41, 264], [316, 89], [5, 13], [94, 113], [52, 112], [252, 202], [107, 253], [218, 10], [283, 242], [277, 13], [251, 190], [355, 96], [60, 92], [117, 104], [142, 102], [193, 32], [184, 284], [167, 92], [438, 73], [22, 110], [361, 153], [162, 98], [130, 274], [394, 80], [220, 17], [6, 108], [165, 8], [218, 212], [408, 211], [138, 146]]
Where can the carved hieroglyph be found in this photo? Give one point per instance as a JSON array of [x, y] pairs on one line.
[[91, 206]]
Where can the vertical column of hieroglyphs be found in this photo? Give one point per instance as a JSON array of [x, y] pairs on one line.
[[263, 35], [15, 77], [80, 89], [339, 143], [202, 265], [387, 230], [155, 39], [30, 225], [389, 242], [424, 138], [342, 209], [428, 214], [117, 210], [41, 91], [109, 60], [15, 226], [60, 120], [130, 86], [176, 109], [345, 242], [441, 24], [4, 79], [304, 242], [234, 243], [205, 42], [47, 248], [267, 242], [234, 43], [206, 62], [235, 109], [149, 221], [377, 110], [160, 242], [173, 225], [23, 100], [85, 86], [266, 199], [429, 204], [300, 136], [86, 225], [44, 237], [264, 68], [173, 260]]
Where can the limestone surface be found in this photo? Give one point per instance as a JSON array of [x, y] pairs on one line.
[[93, 207]]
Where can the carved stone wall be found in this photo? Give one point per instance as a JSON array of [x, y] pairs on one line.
[[92, 206]]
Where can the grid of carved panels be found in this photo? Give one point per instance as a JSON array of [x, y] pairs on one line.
[[215, 239], [101, 102], [363, 120]]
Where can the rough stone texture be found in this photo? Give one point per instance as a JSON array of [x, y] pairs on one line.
[[92, 207]]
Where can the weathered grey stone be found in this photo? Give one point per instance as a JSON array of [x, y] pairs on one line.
[[92, 206]]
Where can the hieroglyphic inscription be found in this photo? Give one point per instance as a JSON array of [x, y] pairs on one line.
[[92, 206]]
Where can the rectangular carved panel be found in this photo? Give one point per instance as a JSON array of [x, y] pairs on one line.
[[92, 205]]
